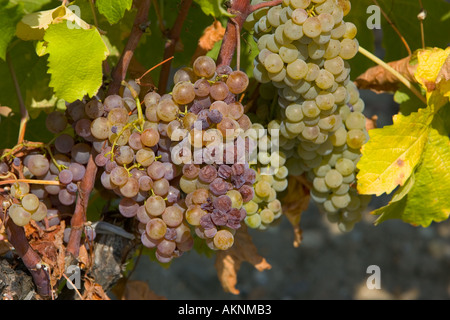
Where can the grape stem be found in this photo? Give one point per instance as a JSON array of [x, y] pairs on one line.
[[31, 181], [400, 77], [172, 39]]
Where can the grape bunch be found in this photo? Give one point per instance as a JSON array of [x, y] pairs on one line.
[[304, 48], [57, 167], [176, 162]]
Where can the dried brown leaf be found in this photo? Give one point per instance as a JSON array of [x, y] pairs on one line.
[[229, 262], [379, 80], [295, 202], [211, 35], [93, 291], [49, 244]]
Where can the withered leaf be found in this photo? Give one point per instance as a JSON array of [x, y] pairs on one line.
[[229, 262], [295, 202], [379, 80], [211, 35]]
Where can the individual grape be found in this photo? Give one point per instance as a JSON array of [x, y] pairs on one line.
[[30, 202], [66, 198], [119, 176], [19, 215], [312, 27], [349, 48], [131, 188], [297, 69], [184, 74], [100, 128], [144, 156], [167, 110], [223, 240], [173, 216], [118, 116], [204, 66], [19, 189], [72, 187], [94, 109], [161, 187], [201, 88], [235, 110], [219, 91], [128, 207], [40, 213], [333, 178], [38, 165], [56, 122], [77, 170], [355, 120], [273, 63], [219, 186], [156, 228], [237, 82], [65, 176], [292, 31], [64, 143], [156, 170], [112, 102], [80, 153], [355, 138], [155, 205], [325, 79], [83, 128], [183, 92]]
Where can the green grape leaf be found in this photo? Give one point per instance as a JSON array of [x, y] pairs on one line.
[[75, 61], [9, 16], [214, 8], [113, 10], [425, 199], [31, 73], [393, 152]]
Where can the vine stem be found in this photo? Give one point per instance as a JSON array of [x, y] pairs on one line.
[[241, 9], [120, 71], [172, 39], [31, 259], [400, 77], [79, 216], [23, 109]]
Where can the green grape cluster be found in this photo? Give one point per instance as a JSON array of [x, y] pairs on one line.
[[271, 179], [304, 48]]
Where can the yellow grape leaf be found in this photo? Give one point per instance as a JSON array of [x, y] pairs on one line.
[[424, 198], [433, 72], [393, 152], [33, 25]]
